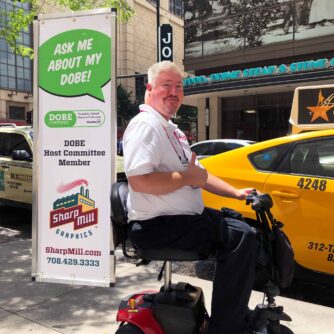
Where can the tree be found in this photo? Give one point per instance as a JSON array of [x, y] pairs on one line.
[[195, 10], [251, 26], [13, 22], [186, 119], [126, 109]]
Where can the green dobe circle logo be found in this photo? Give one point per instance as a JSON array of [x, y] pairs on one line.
[[75, 63]]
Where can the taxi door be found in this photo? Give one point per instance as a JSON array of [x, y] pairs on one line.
[[15, 175], [303, 193]]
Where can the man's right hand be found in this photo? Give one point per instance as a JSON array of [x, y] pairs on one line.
[[196, 176], [159, 183]]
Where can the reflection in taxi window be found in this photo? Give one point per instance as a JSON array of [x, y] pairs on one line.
[[315, 158], [12, 141], [201, 149], [268, 160]]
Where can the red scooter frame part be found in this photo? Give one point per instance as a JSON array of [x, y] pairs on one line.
[[137, 310]]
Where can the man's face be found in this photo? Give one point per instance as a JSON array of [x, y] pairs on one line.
[[167, 94]]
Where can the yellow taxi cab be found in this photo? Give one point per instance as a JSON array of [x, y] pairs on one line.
[[298, 173], [16, 163]]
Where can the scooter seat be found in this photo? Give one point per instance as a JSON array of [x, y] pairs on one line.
[[118, 199]]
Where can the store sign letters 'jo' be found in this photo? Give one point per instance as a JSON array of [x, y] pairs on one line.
[[166, 42]]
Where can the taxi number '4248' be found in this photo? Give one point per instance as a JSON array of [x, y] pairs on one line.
[[312, 184]]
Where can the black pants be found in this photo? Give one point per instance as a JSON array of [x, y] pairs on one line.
[[231, 241]]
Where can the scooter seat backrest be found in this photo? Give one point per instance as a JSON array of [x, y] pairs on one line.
[[118, 198]]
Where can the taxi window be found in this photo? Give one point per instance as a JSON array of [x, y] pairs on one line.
[[269, 159], [11, 142], [2, 145], [326, 158], [315, 158], [201, 149], [219, 148]]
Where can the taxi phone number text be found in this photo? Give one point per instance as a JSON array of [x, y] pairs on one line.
[[73, 262], [321, 247]]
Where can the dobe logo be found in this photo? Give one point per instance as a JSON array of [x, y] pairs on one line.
[[323, 106], [76, 210]]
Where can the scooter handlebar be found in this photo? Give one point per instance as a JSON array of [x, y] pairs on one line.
[[259, 202]]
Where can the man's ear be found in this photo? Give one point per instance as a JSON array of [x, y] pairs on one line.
[[149, 87]]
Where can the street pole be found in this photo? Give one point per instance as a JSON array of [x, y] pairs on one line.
[[158, 25]]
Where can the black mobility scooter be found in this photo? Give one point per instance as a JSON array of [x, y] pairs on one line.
[[179, 308]]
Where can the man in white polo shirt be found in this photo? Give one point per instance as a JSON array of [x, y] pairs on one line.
[[165, 203]]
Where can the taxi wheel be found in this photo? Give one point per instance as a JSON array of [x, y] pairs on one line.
[[129, 329]]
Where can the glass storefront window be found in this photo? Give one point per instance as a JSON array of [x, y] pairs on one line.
[[19, 60], [11, 71], [3, 57], [27, 74], [3, 70], [3, 82], [20, 84], [11, 83], [26, 39], [26, 62], [19, 72], [11, 59], [27, 85], [17, 113], [15, 68], [3, 44]]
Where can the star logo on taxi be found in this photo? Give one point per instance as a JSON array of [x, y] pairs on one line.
[[320, 110]]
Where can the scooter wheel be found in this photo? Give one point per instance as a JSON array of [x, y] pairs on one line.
[[285, 330], [129, 329], [278, 329]]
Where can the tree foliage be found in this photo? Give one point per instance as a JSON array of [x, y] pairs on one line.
[[19, 19], [244, 19], [186, 119], [126, 109]]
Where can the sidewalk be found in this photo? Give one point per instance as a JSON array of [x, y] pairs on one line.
[[45, 308]]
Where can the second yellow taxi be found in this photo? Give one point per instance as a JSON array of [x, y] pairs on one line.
[[298, 173]]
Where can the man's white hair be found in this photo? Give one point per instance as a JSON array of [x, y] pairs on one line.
[[163, 66]]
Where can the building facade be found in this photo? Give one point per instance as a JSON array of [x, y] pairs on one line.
[[137, 41], [246, 58], [136, 51], [15, 74]]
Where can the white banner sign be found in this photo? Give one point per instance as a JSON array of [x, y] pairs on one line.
[[75, 153]]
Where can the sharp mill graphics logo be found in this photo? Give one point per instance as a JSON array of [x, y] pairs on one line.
[[72, 215]]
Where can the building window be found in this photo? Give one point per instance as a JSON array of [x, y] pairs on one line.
[[140, 88], [176, 7], [152, 2], [16, 71], [16, 113]]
